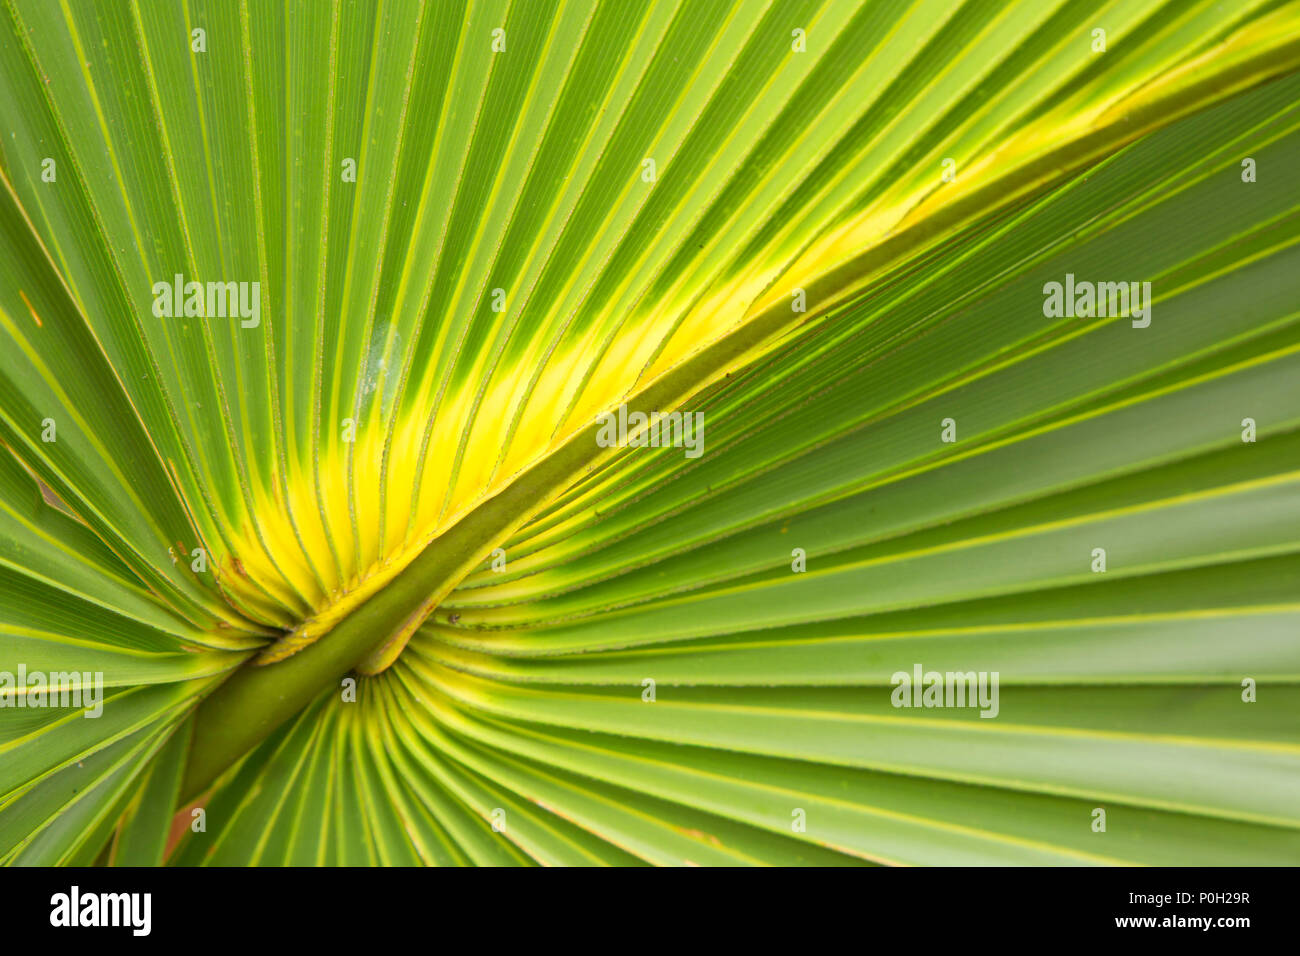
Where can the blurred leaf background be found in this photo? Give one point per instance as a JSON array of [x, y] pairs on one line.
[[393, 472]]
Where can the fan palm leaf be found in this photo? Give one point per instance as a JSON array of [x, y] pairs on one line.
[[364, 580]]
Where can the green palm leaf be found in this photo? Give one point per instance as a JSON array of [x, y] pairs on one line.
[[366, 584]]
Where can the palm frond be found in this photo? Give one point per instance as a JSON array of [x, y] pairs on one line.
[[464, 233]]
